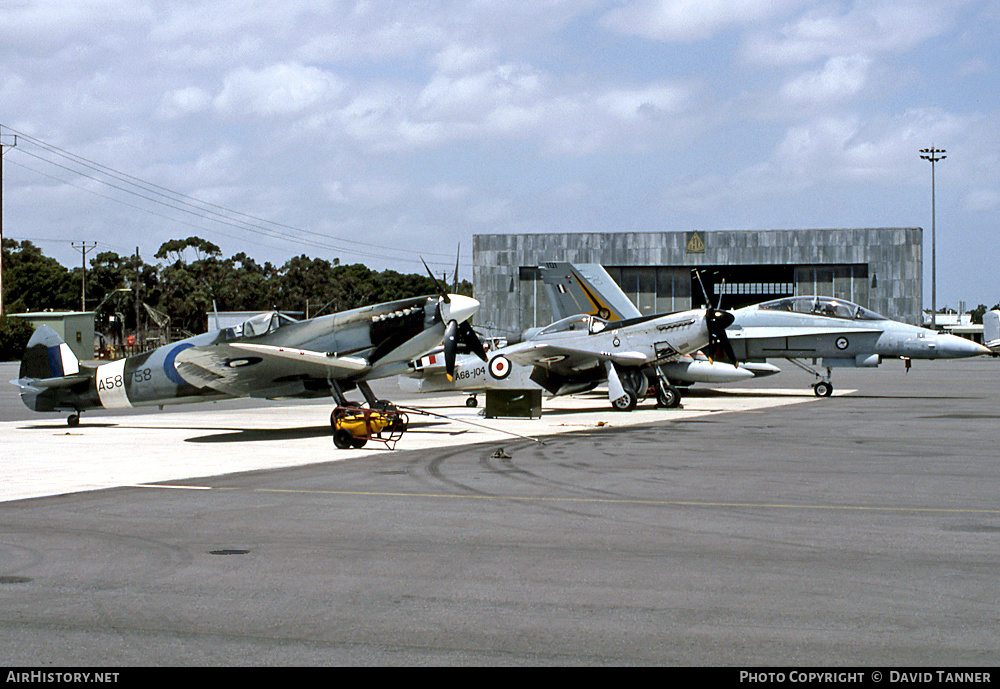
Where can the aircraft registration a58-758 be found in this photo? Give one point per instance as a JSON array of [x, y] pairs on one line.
[[269, 356]]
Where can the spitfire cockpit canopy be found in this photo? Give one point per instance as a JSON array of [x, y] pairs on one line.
[[831, 307], [262, 324], [581, 323]]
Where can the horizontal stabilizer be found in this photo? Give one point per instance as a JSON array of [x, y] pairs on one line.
[[39, 384]]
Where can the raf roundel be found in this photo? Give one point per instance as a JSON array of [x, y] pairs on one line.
[[500, 367]]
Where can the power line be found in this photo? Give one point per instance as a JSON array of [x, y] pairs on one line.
[[149, 191]]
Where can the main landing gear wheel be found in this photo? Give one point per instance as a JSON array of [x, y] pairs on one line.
[[471, 402], [73, 420], [823, 389], [668, 397], [626, 402]]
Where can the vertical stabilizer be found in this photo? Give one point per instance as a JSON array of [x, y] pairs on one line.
[[48, 356], [585, 288], [991, 330]]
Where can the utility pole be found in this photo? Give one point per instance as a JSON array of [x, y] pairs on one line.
[[933, 154], [138, 283], [3, 149], [84, 248]]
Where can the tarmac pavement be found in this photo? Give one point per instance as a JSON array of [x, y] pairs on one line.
[[756, 527]]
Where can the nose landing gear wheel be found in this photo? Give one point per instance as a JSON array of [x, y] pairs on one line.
[[823, 389]]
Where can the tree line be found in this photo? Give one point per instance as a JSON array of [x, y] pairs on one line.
[[190, 280]]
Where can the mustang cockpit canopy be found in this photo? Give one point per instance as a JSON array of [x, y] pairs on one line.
[[582, 323], [831, 307]]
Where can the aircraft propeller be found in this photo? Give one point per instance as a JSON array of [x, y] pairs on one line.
[[719, 346], [455, 330], [717, 320]]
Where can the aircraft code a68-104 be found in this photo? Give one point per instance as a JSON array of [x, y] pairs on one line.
[[462, 375]]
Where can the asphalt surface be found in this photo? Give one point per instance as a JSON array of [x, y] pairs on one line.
[[857, 530]]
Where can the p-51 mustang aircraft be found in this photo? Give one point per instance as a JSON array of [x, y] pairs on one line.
[[577, 353], [269, 356], [585, 289]]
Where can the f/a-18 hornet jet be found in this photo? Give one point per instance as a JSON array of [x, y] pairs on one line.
[[841, 333], [269, 356]]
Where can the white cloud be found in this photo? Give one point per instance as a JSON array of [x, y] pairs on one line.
[[648, 101], [841, 78], [689, 20], [184, 102], [869, 27], [279, 89]]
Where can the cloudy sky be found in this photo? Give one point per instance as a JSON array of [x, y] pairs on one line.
[[379, 131]]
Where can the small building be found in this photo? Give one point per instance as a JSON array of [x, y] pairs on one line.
[[75, 327]]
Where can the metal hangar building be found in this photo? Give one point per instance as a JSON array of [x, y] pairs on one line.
[[878, 268]]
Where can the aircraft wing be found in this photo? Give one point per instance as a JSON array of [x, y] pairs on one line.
[[565, 360], [244, 369]]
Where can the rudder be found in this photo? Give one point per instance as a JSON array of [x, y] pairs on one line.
[[47, 356]]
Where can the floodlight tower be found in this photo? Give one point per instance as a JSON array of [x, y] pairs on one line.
[[933, 154]]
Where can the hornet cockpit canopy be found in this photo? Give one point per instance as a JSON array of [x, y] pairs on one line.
[[831, 307]]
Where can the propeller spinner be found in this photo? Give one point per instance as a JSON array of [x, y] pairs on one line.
[[719, 346], [455, 310]]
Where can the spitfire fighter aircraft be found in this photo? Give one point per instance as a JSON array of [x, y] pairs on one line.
[[839, 332], [269, 356]]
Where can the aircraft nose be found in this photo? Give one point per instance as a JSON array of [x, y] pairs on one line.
[[460, 308], [954, 347]]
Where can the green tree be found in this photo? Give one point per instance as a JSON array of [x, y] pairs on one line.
[[14, 336], [978, 312], [33, 282]]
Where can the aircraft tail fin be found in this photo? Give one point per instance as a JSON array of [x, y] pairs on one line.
[[991, 330], [585, 288], [48, 356]]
